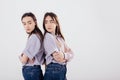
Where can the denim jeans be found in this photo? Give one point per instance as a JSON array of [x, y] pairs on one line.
[[55, 71], [32, 73]]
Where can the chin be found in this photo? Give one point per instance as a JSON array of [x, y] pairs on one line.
[[28, 32], [49, 31]]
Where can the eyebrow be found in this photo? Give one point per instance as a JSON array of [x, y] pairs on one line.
[[52, 20], [27, 21], [49, 20]]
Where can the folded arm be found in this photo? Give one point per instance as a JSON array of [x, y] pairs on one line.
[[24, 59]]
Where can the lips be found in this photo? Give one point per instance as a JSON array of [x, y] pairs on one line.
[[49, 28], [27, 29]]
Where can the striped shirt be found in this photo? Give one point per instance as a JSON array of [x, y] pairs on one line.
[[34, 49], [50, 47]]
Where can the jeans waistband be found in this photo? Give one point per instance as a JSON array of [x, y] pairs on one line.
[[37, 66], [55, 64]]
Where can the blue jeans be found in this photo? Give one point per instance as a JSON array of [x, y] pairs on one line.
[[55, 71], [32, 73]]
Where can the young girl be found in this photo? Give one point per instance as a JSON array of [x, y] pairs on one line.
[[56, 50], [32, 55]]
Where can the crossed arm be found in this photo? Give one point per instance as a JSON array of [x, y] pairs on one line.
[[24, 59], [57, 56], [63, 57]]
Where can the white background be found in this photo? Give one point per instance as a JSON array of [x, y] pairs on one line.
[[91, 28]]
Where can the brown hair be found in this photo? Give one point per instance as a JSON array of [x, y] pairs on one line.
[[55, 18], [36, 30]]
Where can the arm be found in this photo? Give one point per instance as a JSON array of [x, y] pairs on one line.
[[65, 55], [59, 57], [68, 53], [32, 48], [51, 48], [23, 58], [50, 45]]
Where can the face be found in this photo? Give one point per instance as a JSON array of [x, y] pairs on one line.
[[28, 24], [50, 24]]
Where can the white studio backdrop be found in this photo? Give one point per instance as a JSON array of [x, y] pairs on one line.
[[91, 28]]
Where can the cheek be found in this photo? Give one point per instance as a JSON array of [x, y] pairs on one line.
[[25, 27], [54, 26], [46, 26], [32, 27]]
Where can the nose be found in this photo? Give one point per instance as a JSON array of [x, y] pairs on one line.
[[26, 26]]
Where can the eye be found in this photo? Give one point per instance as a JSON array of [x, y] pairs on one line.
[[51, 21], [29, 22], [24, 24]]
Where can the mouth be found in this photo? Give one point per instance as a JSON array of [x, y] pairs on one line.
[[27, 29], [49, 28]]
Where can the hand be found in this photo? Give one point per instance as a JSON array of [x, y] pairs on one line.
[[59, 57], [31, 61], [67, 49], [23, 58]]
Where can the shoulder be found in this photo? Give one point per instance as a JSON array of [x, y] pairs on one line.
[[61, 38], [49, 36], [33, 37]]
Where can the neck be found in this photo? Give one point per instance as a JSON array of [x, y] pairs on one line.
[[53, 33]]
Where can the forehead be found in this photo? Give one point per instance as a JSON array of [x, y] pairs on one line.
[[49, 18], [27, 18]]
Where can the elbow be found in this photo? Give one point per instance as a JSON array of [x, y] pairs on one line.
[[69, 56]]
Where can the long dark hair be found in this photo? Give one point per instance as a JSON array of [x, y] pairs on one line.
[[36, 30], [55, 18]]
